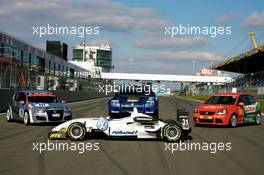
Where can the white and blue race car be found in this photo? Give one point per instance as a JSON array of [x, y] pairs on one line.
[[138, 125]]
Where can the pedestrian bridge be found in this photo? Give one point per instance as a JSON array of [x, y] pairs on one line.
[[167, 78]]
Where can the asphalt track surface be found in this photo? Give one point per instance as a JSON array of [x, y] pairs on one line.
[[129, 157]]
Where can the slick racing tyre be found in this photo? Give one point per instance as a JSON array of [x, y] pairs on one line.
[[76, 131], [258, 119], [171, 132], [9, 115], [233, 121], [26, 118]]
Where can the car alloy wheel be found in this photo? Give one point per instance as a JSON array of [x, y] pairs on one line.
[[233, 121], [26, 118], [8, 115], [258, 119], [76, 131]]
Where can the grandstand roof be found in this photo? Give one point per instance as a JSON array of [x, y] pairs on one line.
[[248, 62]]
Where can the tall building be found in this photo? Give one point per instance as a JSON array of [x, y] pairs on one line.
[[57, 48], [99, 56]]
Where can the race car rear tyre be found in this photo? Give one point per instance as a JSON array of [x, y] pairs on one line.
[[171, 132], [76, 131], [258, 118], [26, 118], [233, 121], [9, 115]]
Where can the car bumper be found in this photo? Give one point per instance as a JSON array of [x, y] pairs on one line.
[[46, 118], [126, 109], [220, 120]]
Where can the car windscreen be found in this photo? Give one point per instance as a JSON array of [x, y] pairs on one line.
[[43, 99], [134, 93], [228, 100]]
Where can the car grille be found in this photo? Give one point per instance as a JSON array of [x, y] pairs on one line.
[[206, 120], [132, 103], [218, 121], [206, 113], [127, 109], [42, 118], [53, 112]]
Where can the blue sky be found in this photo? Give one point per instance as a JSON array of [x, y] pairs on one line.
[[136, 29]]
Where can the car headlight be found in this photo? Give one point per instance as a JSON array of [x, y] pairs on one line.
[[150, 103], [115, 102], [40, 110], [223, 111], [66, 112]]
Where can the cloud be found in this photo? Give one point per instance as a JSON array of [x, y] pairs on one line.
[[97, 42], [17, 16], [255, 19], [227, 18], [168, 57], [166, 62], [184, 55], [153, 24], [110, 16], [159, 42]]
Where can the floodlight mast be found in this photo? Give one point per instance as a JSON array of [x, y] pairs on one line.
[[84, 48], [253, 39]]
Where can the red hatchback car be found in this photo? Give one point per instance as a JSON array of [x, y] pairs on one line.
[[228, 109]]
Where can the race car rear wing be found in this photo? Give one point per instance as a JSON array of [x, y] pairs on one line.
[[183, 118]]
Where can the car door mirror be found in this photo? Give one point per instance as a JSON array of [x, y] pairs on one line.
[[63, 101], [241, 104]]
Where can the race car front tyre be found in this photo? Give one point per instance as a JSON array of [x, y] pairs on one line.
[[9, 115], [233, 121], [171, 132], [26, 118], [76, 131], [258, 119]]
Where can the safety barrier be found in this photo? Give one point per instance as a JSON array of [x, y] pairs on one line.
[[68, 96]]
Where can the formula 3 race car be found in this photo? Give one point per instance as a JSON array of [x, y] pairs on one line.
[[137, 125]]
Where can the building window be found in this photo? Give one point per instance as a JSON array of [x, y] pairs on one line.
[[77, 54]]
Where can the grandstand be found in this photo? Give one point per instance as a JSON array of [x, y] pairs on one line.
[[249, 64]]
